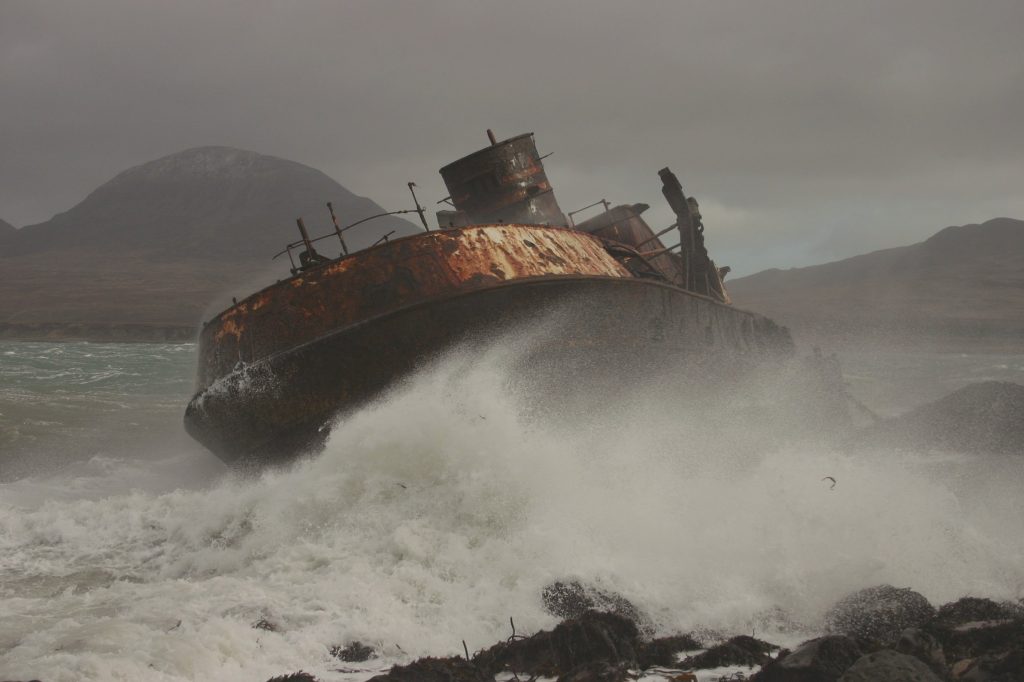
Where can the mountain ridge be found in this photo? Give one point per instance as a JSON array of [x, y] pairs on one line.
[[165, 241], [964, 282], [231, 203]]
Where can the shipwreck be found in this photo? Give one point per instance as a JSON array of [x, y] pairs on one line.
[[276, 368]]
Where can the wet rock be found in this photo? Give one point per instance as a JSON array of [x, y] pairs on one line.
[[973, 609], [924, 647], [742, 650], [594, 637], [571, 599], [354, 652], [880, 613], [294, 677], [663, 651], [823, 659], [435, 670], [889, 666], [982, 417]]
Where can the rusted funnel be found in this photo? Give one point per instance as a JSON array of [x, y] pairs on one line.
[[504, 182]]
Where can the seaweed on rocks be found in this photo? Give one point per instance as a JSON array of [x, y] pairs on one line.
[[663, 651], [596, 646], [454, 669], [741, 650], [593, 637], [300, 676], [600, 671]]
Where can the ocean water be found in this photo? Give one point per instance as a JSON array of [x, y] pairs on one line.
[[440, 511]]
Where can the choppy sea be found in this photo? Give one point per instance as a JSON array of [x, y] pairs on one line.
[[439, 512]]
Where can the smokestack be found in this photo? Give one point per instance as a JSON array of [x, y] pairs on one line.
[[503, 183]]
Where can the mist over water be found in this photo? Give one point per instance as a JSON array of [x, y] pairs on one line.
[[443, 509]]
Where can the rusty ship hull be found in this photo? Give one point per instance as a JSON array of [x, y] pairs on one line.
[[277, 367], [616, 305]]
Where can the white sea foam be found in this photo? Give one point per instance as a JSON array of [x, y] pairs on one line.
[[439, 512]]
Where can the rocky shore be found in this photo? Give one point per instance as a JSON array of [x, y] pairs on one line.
[[879, 634]]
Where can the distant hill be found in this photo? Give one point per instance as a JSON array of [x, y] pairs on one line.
[[962, 285], [162, 243], [6, 229]]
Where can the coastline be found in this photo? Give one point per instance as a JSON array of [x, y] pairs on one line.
[[98, 332]]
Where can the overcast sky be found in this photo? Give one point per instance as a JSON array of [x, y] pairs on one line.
[[809, 131]]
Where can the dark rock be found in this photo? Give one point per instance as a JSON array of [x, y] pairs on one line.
[[971, 609], [819, 660], [354, 652], [662, 651], [924, 647], [598, 672], [982, 417], [879, 613], [294, 677], [571, 599], [742, 650], [593, 637], [453, 669], [264, 624], [889, 666]]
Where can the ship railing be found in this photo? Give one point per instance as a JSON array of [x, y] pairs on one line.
[[309, 257], [599, 202]]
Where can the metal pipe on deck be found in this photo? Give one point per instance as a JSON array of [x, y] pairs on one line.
[[305, 237], [337, 228]]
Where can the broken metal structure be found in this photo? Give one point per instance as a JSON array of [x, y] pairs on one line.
[[276, 367]]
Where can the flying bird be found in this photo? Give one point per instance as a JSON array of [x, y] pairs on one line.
[[829, 478]]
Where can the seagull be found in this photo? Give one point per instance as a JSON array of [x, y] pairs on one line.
[[829, 478]]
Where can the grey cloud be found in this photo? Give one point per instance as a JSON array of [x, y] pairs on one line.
[[810, 130]]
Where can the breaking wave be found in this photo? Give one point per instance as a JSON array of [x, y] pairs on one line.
[[442, 510]]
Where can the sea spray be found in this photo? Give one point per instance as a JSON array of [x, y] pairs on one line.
[[443, 509]]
